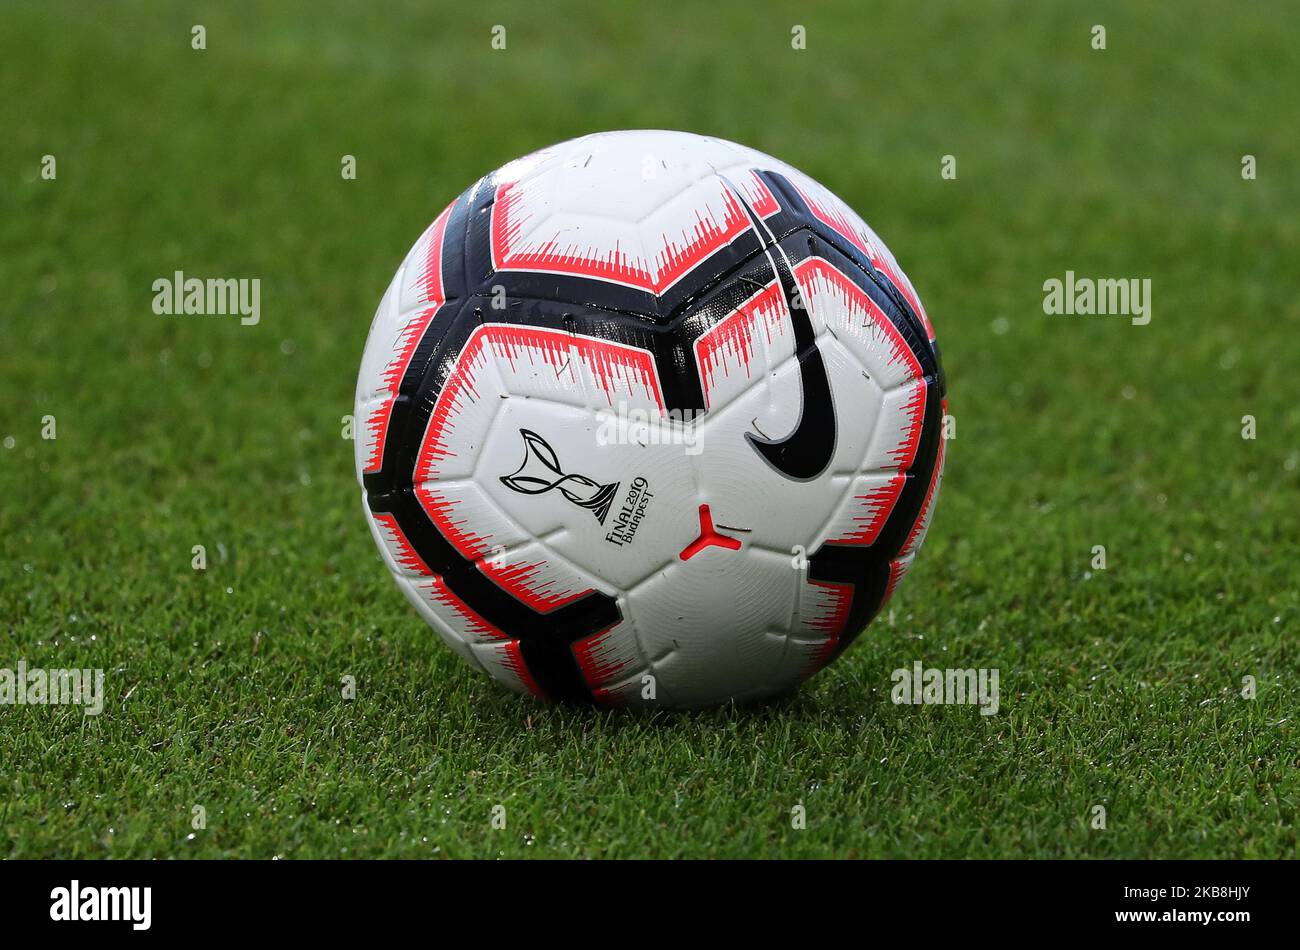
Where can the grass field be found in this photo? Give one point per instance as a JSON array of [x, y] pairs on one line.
[[1120, 687]]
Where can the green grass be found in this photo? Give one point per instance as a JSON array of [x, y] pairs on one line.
[[1120, 687]]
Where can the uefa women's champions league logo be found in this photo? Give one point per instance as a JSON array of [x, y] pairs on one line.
[[541, 472]]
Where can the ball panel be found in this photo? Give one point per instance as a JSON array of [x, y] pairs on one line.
[[573, 213], [465, 516], [859, 324], [744, 346], [916, 536], [697, 620], [535, 576], [869, 503], [612, 664], [902, 415], [375, 392]]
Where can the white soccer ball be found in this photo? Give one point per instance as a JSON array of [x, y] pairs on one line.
[[649, 418]]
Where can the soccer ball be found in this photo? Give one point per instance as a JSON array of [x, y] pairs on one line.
[[650, 419]]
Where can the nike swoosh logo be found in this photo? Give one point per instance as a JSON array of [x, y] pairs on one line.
[[806, 452]]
